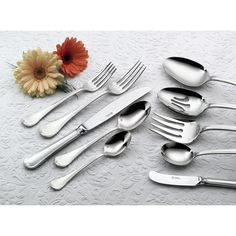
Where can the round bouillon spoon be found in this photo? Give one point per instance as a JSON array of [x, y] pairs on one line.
[[112, 148], [189, 72], [187, 102], [181, 155]]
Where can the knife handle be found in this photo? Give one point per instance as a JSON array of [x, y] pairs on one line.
[[41, 156], [219, 183]]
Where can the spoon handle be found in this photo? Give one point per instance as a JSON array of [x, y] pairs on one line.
[[67, 158], [222, 105], [218, 182], [53, 127], [33, 119], [215, 78], [219, 127], [217, 151], [59, 183]]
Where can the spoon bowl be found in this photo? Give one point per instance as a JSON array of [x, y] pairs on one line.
[[183, 101], [181, 155], [187, 102], [117, 144], [177, 153], [189, 72], [134, 115]]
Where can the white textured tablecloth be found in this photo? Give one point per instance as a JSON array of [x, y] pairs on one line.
[[123, 180]]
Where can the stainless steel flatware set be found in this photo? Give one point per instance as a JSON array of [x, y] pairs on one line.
[[133, 116], [182, 131]]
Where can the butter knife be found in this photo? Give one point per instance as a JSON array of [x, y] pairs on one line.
[[189, 181], [100, 117]]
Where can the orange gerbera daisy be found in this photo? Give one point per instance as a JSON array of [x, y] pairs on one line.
[[73, 55]]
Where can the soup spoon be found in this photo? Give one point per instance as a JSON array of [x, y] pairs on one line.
[[187, 102], [189, 72], [112, 148], [181, 155], [130, 119]]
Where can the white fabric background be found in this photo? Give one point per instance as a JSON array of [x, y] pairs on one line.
[[123, 180]]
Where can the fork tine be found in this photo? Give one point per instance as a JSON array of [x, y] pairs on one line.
[[168, 130], [164, 134], [134, 78], [107, 72], [106, 78], [130, 72], [107, 67], [168, 124], [170, 119]]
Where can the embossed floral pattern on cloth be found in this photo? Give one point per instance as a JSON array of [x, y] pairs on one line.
[[123, 180]]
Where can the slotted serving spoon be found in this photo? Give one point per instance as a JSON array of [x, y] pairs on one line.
[[188, 102]]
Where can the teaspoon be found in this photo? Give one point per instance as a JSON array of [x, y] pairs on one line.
[[187, 102], [129, 119], [189, 72], [181, 155], [112, 148]]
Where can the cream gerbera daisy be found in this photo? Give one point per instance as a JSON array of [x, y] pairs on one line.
[[38, 73]]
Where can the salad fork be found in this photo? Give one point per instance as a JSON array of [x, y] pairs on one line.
[[114, 88], [90, 85], [182, 131]]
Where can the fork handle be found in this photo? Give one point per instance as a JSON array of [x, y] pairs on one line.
[[53, 127], [222, 105], [33, 119], [219, 127], [38, 158]]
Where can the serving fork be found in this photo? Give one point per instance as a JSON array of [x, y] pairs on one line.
[[114, 88], [182, 131], [90, 85]]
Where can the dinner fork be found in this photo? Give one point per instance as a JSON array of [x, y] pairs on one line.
[[90, 85], [114, 88], [182, 131]]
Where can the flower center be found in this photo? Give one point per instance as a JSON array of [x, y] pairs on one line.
[[39, 73], [67, 58]]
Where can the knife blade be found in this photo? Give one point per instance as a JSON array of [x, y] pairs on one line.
[[115, 107], [177, 180], [105, 114]]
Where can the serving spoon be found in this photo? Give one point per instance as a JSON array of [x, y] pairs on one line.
[[129, 119], [187, 102], [181, 155], [112, 148], [189, 72]]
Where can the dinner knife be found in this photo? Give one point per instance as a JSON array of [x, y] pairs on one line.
[[100, 117], [189, 181]]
